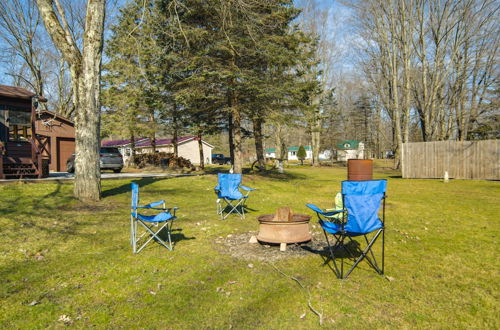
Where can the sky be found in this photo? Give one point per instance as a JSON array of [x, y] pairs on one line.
[[338, 28]]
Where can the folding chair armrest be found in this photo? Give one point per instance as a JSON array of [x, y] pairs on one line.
[[329, 214], [164, 208], [320, 211], [175, 208], [151, 205], [334, 211], [247, 188]]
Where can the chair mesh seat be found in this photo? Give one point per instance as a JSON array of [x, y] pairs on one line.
[[164, 216]]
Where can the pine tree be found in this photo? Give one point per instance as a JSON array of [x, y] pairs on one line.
[[130, 111], [301, 154]]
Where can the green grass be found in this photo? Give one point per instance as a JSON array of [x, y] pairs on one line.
[[75, 260]]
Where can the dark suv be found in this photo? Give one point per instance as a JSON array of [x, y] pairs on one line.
[[220, 159], [110, 159]]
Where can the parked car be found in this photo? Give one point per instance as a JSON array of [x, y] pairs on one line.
[[220, 159], [110, 159]]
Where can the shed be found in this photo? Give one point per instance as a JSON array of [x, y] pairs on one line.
[[60, 132]]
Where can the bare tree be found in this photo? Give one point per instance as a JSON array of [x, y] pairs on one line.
[[315, 20], [85, 70], [430, 63], [19, 26]]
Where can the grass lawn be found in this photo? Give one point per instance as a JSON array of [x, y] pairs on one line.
[[66, 263]]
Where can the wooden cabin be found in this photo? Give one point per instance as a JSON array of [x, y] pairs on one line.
[[23, 152], [60, 132]]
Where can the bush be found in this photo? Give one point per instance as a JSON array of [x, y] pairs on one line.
[[161, 159], [301, 154]]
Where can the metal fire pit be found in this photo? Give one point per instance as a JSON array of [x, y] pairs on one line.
[[295, 230]]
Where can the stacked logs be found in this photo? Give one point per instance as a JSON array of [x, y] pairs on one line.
[[163, 159]]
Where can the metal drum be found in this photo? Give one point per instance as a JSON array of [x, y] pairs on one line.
[[359, 169]]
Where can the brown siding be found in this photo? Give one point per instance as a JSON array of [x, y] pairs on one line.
[[65, 147]]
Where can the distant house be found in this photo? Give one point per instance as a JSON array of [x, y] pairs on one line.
[[292, 152], [124, 146], [350, 149], [187, 148], [270, 153]]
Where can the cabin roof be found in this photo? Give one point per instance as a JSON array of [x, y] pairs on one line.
[[17, 93], [58, 116]]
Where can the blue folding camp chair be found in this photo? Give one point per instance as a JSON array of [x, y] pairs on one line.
[[362, 201], [159, 221], [228, 192]]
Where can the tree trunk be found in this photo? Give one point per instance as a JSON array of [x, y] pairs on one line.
[[175, 143], [280, 148], [176, 131], [230, 137], [395, 94], [259, 148], [132, 146], [200, 149], [237, 165], [153, 134], [85, 78], [316, 133], [315, 141]]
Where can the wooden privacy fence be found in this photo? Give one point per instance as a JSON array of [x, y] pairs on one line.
[[461, 159]]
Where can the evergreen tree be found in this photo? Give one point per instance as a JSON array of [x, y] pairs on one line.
[[301, 154], [129, 110]]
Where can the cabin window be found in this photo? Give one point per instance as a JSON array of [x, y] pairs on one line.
[[19, 125]]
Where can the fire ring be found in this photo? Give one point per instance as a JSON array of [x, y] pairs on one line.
[[276, 229]]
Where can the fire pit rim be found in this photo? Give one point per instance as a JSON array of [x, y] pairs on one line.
[[269, 235], [301, 218]]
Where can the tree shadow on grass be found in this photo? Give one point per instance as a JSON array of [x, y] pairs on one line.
[[229, 210], [176, 235], [43, 213], [269, 174], [346, 255], [125, 188], [286, 176]]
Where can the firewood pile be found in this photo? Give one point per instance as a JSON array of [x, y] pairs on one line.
[[162, 159]]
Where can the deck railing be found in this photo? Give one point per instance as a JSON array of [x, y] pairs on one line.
[[2, 152]]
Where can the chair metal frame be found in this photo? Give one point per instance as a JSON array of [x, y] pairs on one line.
[[342, 235], [229, 204], [239, 207], [151, 223]]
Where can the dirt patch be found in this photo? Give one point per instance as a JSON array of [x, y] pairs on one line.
[[92, 207], [238, 246]]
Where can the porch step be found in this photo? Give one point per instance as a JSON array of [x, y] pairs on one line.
[[20, 171]]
